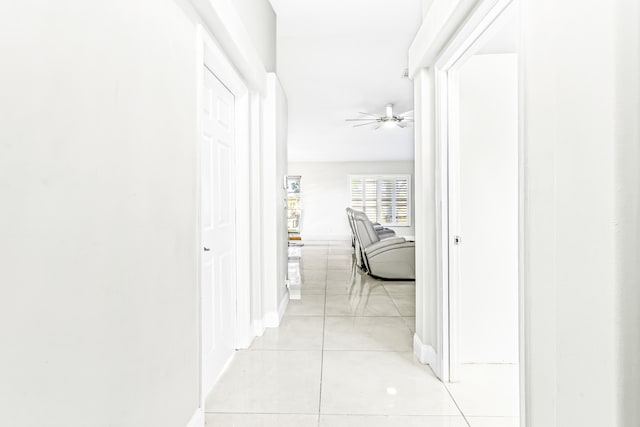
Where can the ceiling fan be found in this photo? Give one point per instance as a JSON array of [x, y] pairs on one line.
[[388, 120]]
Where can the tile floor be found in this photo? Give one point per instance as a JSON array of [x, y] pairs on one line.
[[342, 357]]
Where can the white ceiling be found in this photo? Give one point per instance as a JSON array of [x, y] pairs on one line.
[[339, 57]]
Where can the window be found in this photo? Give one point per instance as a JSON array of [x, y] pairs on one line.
[[383, 198]]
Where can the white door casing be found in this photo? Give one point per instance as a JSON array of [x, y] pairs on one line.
[[218, 227], [476, 27]]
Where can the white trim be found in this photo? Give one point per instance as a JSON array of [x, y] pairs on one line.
[[521, 221], [199, 101], [452, 169], [457, 28], [282, 307], [477, 28], [272, 319], [442, 232], [426, 354], [243, 217], [326, 237], [216, 61], [197, 420], [255, 248], [426, 229], [439, 25], [223, 22], [211, 56], [257, 326], [273, 199]]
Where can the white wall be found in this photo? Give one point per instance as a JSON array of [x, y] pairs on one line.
[[627, 61], [427, 346], [282, 116], [581, 205], [570, 214], [488, 254], [274, 169], [260, 22], [425, 4], [325, 195], [98, 236], [98, 239]]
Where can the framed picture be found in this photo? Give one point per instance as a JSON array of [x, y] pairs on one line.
[[293, 184]]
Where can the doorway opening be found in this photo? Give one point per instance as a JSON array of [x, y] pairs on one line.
[[480, 187], [225, 121], [218, 259]]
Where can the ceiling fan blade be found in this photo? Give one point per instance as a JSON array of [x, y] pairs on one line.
[[400, 125], [406, 113], [358, 120], [365, 124], [369, 114], [378, 127]]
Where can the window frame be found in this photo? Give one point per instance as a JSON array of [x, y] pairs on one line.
[[379, 178]]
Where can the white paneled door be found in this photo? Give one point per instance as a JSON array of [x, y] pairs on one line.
[[218, 228]]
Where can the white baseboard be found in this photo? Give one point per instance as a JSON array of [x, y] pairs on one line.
[[325, 237], [258, 327], [426, 354], [282, 307], [272, 319], [197, 420], [295, 292]]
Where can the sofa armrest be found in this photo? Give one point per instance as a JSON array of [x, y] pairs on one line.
[[384, 243], [398, 247]]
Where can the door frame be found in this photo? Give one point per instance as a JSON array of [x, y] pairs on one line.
[[210, 55], [477, 27]]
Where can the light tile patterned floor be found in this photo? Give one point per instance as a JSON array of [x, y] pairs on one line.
[[342, 357]]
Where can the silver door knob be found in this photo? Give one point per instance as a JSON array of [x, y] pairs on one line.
[[206, 249]]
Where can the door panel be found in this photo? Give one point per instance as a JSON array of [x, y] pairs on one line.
[[483, 213], [224, 209], [218, 228]]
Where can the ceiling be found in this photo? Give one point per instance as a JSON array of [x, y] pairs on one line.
[[339, 57]]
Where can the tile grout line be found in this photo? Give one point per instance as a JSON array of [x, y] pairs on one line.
[[399, 312], [324, 323], [455, 402]]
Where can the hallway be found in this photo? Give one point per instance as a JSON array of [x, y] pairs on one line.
[[341, 357]]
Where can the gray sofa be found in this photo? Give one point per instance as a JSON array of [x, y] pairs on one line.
[[382, 232], [387, 258]]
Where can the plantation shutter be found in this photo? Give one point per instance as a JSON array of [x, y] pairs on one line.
[[402, 201], [384, 199], [357, 194], [371, 199], [364, 196]]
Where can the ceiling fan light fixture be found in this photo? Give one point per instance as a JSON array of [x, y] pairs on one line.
[[389, 110], [388, 120]]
